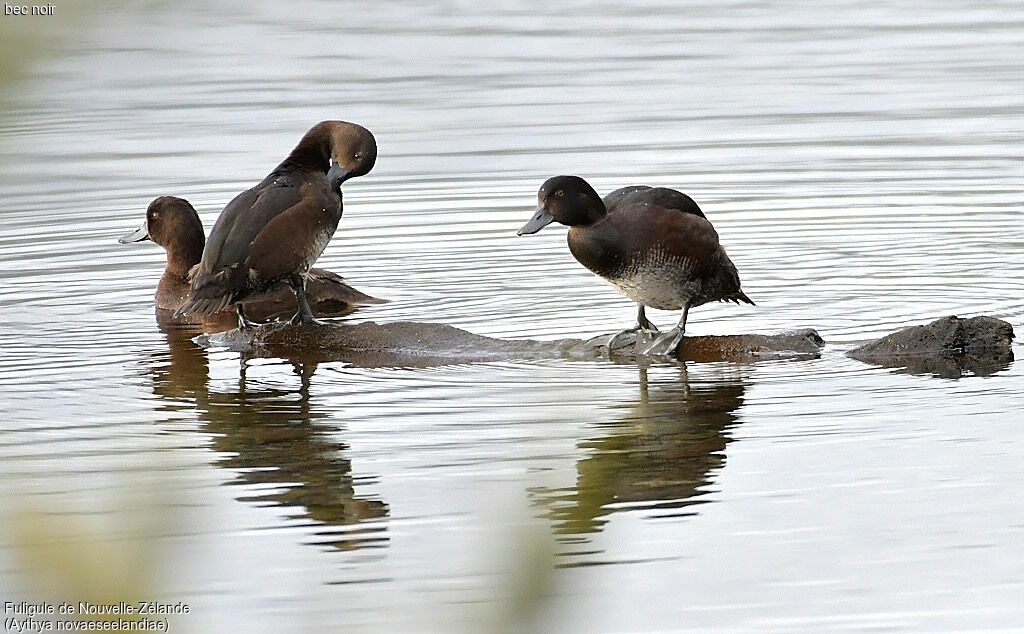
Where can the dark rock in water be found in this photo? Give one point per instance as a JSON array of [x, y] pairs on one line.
[[946, 347], [415, 344]]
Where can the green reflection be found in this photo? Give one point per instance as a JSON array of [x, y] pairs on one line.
[[659, 454], [269, 439]]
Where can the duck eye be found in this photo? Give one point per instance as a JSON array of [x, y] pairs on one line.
[[357, 156], [560, 193]]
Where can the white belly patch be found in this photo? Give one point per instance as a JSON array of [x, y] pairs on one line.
[[657, 280]]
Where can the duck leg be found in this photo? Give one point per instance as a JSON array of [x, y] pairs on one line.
[[642, 325], [642, 321], [668, 343], [243, 322], [305, 314]]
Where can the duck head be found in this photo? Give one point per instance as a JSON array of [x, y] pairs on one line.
[[341, 149], [173, 224], [353, 152], [569, 200]]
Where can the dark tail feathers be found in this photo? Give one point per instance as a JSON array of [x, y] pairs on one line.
[[728, 281], [211, 293], [740, 296]]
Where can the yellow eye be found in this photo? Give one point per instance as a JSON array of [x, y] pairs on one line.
[[560, 193]]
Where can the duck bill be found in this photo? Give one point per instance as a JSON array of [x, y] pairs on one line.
[[336, 175], [541, 219], [140, 234]]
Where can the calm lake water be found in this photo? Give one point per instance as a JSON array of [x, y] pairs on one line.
[[861, 162]]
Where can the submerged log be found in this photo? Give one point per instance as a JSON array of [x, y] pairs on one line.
[[946, 347], [804, 343], [419, 344]]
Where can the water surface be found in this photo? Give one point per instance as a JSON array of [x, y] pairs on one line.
[[861, 163]]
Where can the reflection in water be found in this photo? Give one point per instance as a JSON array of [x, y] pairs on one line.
[[658, 455], [267, 437], [948, 367]]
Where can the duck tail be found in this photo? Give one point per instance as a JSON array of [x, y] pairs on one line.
[[738, 297], [210, 293], [729, 281]]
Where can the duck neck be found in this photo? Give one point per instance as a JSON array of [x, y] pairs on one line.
[[594, 212], [182, 255], [313, 152]]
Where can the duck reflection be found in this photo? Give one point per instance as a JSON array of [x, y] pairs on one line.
[[268, 437], [659, 455]]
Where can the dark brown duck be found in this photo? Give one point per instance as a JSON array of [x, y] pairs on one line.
[[174, 224], [652, 243], [275, 231]]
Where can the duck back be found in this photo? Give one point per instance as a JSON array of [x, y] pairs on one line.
[[659, 256], [643, 195]]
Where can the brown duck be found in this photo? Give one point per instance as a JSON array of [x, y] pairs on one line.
[[274, 232], [174, 224], [654, 244]]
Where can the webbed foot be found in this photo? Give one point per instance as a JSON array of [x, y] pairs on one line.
[[665, 344]]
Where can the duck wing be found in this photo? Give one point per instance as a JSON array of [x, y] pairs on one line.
[[295, 237], [242, 220], [694, 241], [262, 236]]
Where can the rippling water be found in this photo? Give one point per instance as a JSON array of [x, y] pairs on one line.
[[862, 163]]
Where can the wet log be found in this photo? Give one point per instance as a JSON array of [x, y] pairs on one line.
[[418, 344]]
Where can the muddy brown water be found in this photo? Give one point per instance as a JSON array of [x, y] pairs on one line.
[[861, 162]]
